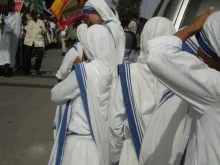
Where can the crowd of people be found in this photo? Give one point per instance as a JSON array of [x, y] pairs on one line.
[[156, 103], [25, 34]]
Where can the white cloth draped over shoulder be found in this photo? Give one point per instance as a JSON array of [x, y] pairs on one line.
[[163, 142], [95, 83], [197, 84], [66, 68], [138, 94], [114, 24], [5, 39]]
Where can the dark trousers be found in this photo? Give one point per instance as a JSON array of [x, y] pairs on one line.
[[26, 60]]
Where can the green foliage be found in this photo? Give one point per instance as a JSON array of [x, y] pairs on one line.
[[49, 3], [128, 8]]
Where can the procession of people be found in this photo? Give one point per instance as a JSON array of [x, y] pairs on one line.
[[120, 102]]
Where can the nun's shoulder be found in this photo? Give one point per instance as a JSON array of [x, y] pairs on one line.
[[97, 28]]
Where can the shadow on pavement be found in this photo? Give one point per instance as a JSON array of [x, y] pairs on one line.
[[27, 85]]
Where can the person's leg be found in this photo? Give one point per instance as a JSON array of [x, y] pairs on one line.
[[39, 58], [6, 70], [26, 59], [1, 70]]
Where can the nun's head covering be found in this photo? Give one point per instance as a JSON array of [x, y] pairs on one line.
[[209, 37], [81, 32], [155, 27], [100, 7], [99, 45]]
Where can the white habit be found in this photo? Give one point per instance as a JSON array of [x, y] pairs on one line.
[[197, 84], [87, 115], [66, 68], [113, 24], [145, 91]]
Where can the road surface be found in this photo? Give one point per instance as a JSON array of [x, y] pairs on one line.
[[27, 114]]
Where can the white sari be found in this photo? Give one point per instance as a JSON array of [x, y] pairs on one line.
[[66, 68], [95, 83], [142, 95]]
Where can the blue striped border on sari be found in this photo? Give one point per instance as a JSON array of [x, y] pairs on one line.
[[81, 78], [62, 135], [133, 118]]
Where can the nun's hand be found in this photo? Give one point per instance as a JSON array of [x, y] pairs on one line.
[[196, 26], [78, 60], [201, 19]]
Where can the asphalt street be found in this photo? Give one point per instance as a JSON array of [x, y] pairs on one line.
[[27, 114]]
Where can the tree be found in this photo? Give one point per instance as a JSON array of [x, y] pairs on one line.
[[49, 3], [128, 8]]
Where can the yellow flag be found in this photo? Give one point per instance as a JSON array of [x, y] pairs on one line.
[[67, 11], [58, 6]]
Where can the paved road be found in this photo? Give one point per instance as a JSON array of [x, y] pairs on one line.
[[26, 115]]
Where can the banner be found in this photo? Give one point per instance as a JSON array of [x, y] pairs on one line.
[[68, 11], [27, 2], [18, 5]]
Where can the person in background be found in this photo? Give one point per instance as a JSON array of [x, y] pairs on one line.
[[63, 38], [75, 50], [133, 27], [130, 44], [52, 29], [74, 55], [14, 36], [34, 39], [72, 30], [7, 25]]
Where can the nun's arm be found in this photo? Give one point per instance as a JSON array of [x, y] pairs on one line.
[[66, 90], [117, 117], [67, 64], [183, 73]]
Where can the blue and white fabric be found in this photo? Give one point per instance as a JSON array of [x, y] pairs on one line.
[[134, 117], [191, 46], [208, 37], [205, 44]]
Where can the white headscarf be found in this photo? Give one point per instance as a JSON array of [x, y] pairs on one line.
[[115, 25], [208, 37], [99, 46], [81, 31], [99, 49], [103, 9], [155, 27]]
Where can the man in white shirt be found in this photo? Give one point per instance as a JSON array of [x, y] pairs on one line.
[[34, 39], [195, 82]]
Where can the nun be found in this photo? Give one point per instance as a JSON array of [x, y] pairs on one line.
[[98, 12], [74, 55], [76, 50], [83, 133], [195, 81], [138, 96]]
